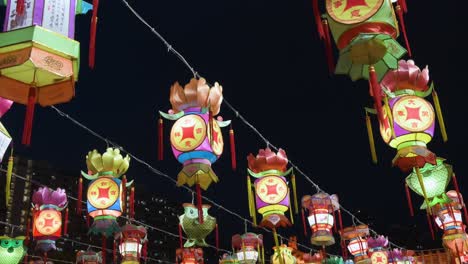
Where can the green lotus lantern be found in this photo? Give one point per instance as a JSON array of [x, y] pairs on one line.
[[431, 182], [12, 250]]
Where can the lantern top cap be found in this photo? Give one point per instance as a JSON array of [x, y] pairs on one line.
[[407, 76], [379, 241], [268, 160], [320, 200], [196, 93], [312, 258], [46, 196], [111, 162], [185, 205], [355, 231], [132, 231], [247, 239]]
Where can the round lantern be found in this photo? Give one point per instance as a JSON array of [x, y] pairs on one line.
[[377, 250], [106, 191], [132, 245], [88, 257], [357, 244], [321, 207], [283, 255], [47, 223], [247, 247], [12, 250], [189, 256], [196, 137]]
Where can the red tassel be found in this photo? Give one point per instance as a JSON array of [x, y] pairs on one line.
[[429, 222], [20, 7], [45, 258], [340, 220], [160, 139], [318, 21], [457, 189], [145, 251], [181, 237], [335, 226], [304, 222], [399, 11], [217, 238], [132, 202], [233, 149], [28, 120], [376, 93], [410, 202], [88, 222], [92, 37], [80, 196], [199, 204], [328, 47], [124, 193], [104, 248], [344, 252], [65, 228], [25, 260], [403, 5], [114, 252]]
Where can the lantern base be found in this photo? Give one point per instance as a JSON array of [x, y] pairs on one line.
[[45, 245], [379, 50], [322, 238], [415, 156], [274, 220], [104, 225], [195, 173]]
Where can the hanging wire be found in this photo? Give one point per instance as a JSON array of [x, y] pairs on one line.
[[236, 112]]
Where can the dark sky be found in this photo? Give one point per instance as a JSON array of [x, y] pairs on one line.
[[268, 58]]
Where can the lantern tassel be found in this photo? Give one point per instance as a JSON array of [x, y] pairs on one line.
[[88, 221], [217, 238], [335, 226], [296, 206], [80, 196], [291, 215], [263, 255], [160, 139], [249, 195], [410, 202], [92, 37], [28, 120], [304, 222], [65, 228], [370, 135], [399, 11], [233, 149], [440, 117], [145, 251], [45, 257], [132, 202], [344, 253], [20, 7], [423, 188], [389, 115], [457, 189], [403, 5], [8, 178], [103, 249], [275, 237], [181, 242], [376, 93], [114, 252], [199, 204], [124, 193], [243, 250], [318, 22], [25, 261], [430, 225], [328, 47]]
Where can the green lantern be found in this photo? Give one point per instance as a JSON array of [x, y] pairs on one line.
[[431, 182], [12, 250]]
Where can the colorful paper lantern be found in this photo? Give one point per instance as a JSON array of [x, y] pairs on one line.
[[272, 194], [47, 224], [39, 60], [88, 257], [377, 250], [316, 258], [282, 255], [248, 248], [228, 259], [196, 138], [12, 250], [321, 207], [133, 243], [106, 192], [195, 230], [357, 245], [189, 256], [397, 256]]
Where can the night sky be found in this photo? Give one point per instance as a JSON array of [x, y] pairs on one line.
[[271, 64]]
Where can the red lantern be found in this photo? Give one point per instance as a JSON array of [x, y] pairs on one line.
[[321, 207], [189, 256], [132, 239]]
